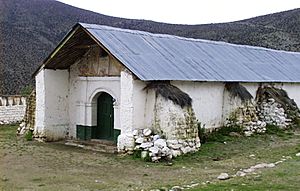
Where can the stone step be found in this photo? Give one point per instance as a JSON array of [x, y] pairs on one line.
[[94, 145]]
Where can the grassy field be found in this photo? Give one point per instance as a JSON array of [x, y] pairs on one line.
[[30, 165]]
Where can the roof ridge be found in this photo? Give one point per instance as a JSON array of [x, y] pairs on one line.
[[159, 35]]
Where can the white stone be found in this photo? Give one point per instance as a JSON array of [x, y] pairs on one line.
[[298, 155], [137, 147], [144, 154], [146, 145], [270, 165], [263, 165], [191, 144], [135, 132], [249, 170], [278, 162], [185, 150], [125, 142], [160, 143], [22, 124], [155, 137], [175, 146], [240, 173], [172, 142], [155, 159], [139, 140], [166, 151], [176, 188], [223, 176], [147, 132], [176, 153], [248, 133], [154, 150]]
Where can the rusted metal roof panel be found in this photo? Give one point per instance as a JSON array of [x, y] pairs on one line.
[[166, 57]]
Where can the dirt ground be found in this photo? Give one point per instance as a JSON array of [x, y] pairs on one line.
[[31, 165]]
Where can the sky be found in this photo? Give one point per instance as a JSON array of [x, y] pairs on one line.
[[186, 11]]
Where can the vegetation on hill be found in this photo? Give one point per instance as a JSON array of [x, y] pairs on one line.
[[30, 29]]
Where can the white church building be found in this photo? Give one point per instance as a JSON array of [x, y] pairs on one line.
[[101, 82]]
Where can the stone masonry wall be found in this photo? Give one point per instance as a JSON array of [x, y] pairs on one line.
[[254, 115], [29, 117], [12, 109]]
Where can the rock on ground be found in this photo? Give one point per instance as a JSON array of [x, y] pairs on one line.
[[223, 176]]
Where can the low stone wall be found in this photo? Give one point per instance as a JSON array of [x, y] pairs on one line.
[[12, 109]]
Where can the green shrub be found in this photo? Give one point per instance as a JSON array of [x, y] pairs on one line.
[[27, 90], [29, 136], [137, 154], [296, 121], [202, 134]]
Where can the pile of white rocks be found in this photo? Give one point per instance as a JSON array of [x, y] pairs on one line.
[[255, 127], [155, 146], [273, 113]]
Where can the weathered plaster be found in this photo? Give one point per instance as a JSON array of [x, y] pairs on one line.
[[126, 102], [207, 101], [52, 119]]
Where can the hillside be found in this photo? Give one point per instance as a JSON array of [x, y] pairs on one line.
[[30, 29]]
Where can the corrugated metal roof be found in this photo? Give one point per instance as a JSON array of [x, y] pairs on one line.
[[166, 57]]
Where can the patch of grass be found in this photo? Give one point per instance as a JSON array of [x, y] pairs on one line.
[[29, 136], [274, 130], [218, 135], [282, 177], [8, 131]]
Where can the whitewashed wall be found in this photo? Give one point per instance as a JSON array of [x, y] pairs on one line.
[[52, 120], [211, 103], [293, 91], [12, 109], [207, 101], [143, 105]]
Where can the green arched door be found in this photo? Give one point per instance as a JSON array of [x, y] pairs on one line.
[[105, 117]]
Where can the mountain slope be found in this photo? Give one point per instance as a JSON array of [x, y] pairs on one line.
[[30, 29]]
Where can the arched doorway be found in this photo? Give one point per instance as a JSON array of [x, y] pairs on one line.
[[105, 117]]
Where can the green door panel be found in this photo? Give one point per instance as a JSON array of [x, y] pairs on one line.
[[105, 117]]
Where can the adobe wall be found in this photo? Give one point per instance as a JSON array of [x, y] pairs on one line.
[[12, 109]]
